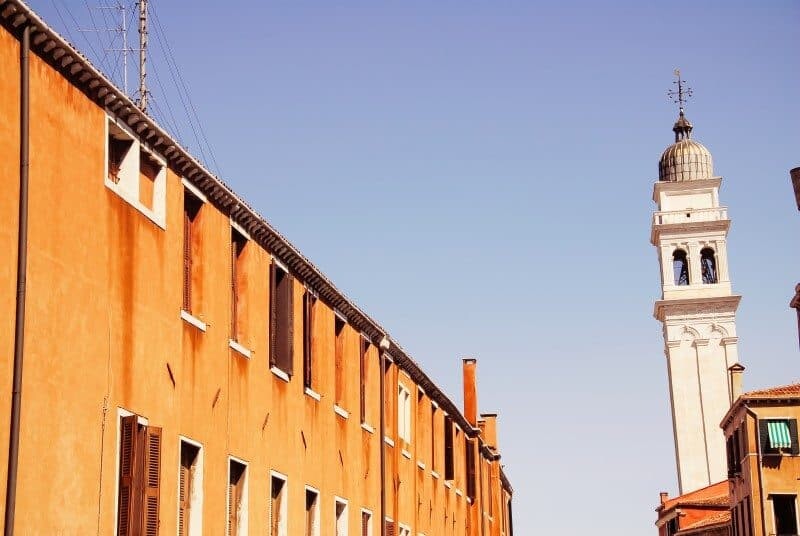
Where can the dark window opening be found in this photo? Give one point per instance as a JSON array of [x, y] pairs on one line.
[[118, 147], [276, 499], [191, 209], [238, 243], [389, 398], [309, 301], [449, 466], [708, 266], [680, 267], [338, 358], [149, 168], [366, 520], [311, 512], [363, 378], [281, 320], [784, 507], [189, 455], [236, 478], [470, 462], [433, 437]]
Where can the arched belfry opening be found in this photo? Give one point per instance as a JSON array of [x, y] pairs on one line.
[[680, 267], [708, 266]]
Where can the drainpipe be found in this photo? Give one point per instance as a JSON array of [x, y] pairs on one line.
[[383, 346], [22, 262], [760, 475], [480, 481]]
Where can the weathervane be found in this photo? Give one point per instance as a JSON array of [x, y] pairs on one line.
[[683, 93]]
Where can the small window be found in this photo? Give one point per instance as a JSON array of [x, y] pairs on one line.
[[404, 531], [469, 448], [277, 506], [680, 267], [341, 517], [708, 266], [312, 513], [191, 246], [366, 523], [785, 509], [388, 526], [404, 413], [778, 436], [449, 466], [362, 373], [339, 360], [433, 438], [281, 319], [139, 477], [389, 389], [190, 489], [237, 498], [309, 306]]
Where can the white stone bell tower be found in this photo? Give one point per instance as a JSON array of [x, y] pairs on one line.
[[697, 307]]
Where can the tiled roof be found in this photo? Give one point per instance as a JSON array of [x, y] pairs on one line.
[[713, 495], [781, 391], [717, 518]]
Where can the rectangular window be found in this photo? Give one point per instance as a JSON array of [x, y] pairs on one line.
[[388, 526], [469, 448], [190, 489], [449, 466], [362, 373], [404, 413], [139, 476], [277, 506], [433, 437], [389, 390], [338, 359], [238, 278], [191, 244], [784, 508], [404, 531], [237, 498], [281, 319], [778, 436], [341, 517], [309, 303], [312, 512], [366, 523]]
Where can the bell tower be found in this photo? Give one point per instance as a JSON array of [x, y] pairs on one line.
[[697, 306]]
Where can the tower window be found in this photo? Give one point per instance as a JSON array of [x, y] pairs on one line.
[[708, 265], [680, 267]]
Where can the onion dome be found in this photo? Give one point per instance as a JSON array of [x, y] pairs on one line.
[[686, 159]]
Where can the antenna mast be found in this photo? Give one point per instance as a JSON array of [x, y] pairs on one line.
[[143, 55]]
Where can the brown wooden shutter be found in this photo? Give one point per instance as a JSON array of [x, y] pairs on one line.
[[183, 500], [365, 518], [234, 287], [389, 528], [187, 259], [793, 436], [273, 315], [284, 322], [289, 307], [152, 466], [233, 529], [363, 379], [125, 515], [763, 435], [308, 323], [470, 460], [449, 466]]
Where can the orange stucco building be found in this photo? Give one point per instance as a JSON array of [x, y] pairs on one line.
[[182, 368]]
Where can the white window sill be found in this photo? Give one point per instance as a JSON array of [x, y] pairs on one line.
[[341, 412], [434, 474], [313, 394], [469, 500], [151, 215], [406, 454], [367, 428], [421, 465], [388, 440], [193, 320], [280, 374], [459, 492], [448, 485], [236, 347]]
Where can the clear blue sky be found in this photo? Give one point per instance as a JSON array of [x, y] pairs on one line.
[[477, 176]]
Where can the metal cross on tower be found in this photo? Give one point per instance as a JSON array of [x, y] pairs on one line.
[[682, 94]]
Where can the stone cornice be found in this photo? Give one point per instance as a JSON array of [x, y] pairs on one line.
[[687, 306]]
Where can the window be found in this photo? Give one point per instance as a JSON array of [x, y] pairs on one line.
[[312, 512], [680, 267], [389, 387], [778, 436], [139, 472], [341, 517], [237, 498], [785, 511], [191, 244], [281, 319], [469, 448], [388, 526], [363, 377], [135, 174], [404, 531], [708, 266], [338, 358], [404, 413], [190, 489], [277, 506], [366, 523], [238, 281], [433, 437], [309, 302], [449, 467]]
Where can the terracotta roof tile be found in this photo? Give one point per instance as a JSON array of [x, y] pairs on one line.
[[791, 390], [717, 518], [713, 495]]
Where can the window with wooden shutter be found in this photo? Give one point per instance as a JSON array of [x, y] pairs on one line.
[[191, 209], [469, 448], [238, 243], [449, 466], [389, 527], [236, 483], [433, 438], [281, 319], [389, 398], [309, 301], [338, 359], [188, 468], [152, 469], [341, 517], [126, 497], [277, 507], [362, 373], [312, 513], [139, 472], [366, 522]]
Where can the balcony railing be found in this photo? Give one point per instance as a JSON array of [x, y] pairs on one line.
[[690, 215]]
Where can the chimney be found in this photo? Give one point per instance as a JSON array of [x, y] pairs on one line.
[[470, 392], [663, 496], [490, 429], [795, 174], [735, 372]]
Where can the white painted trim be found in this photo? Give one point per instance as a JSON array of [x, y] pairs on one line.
[[368, 428], [280, 265], [459, 492], [280, 374], [312, 393], [194, 190], [193, 320], [448, 484], [388, 440], [240, 230], [196, 491], [388, 357], [341, 412], [239, 348], [434, 404], [421, 464], [340, 315], [406, 454], [345, 515], [421, 390], [135, 203], [366, 337], [278, 474], [434, 474]]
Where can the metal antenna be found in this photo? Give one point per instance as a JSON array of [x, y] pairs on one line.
[[143, 55], [123, 30], [682, 94]]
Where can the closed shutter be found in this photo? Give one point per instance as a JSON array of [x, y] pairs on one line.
[[449, 469], [362, 375], [793, 435], [470, 457], [285, 324], [152, 466], [365, 518], [389, 528], [763, 436], [234, 288], [125, 515], [187, 259], [273, 315], [308, 324]]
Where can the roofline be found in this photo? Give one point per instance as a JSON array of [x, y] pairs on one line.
[[748, 400], [79, 71]]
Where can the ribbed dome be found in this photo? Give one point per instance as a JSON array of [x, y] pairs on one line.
[[686, 159]]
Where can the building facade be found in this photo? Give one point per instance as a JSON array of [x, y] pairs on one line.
[[179, 367], [697, 307]]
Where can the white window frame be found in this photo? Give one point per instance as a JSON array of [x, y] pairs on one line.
[[340, 527], [315, 530], [196, 491], [243, 512], [403, 412], [371, 520], [283, 524], [772, 509], [403, 530]]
